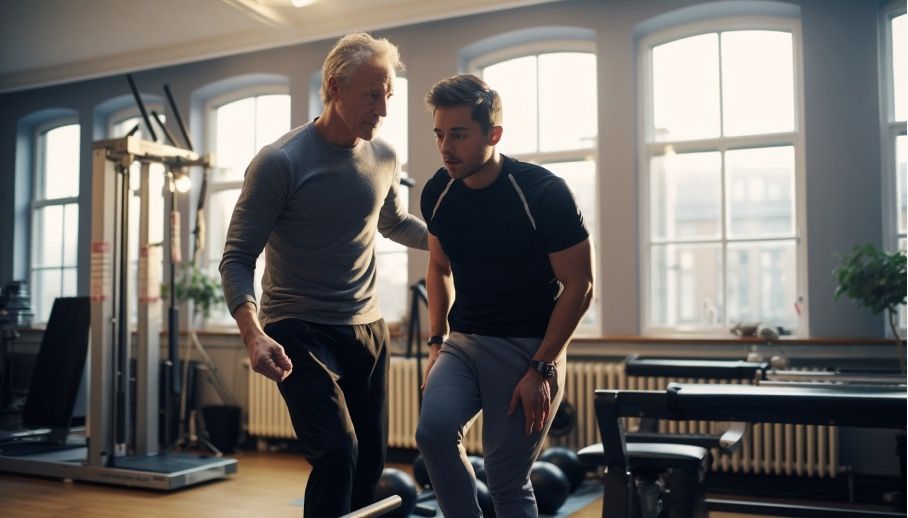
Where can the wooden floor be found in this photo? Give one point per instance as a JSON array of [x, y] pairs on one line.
[[265, 485]]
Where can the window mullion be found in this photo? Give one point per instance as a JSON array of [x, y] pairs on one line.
[[538, 107]]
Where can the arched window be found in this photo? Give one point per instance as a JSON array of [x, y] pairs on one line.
[[544, 122], [721, 175], [238, 124], [895, 142], [55, 215]]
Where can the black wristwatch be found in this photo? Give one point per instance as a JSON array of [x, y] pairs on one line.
[[546, 369], [435, 340]]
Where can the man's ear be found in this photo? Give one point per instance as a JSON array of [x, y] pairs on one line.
[[495, 135], [333, 86]]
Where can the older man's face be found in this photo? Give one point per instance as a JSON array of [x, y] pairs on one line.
[[362, 100]]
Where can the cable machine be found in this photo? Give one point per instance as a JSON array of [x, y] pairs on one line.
[[118, 451]]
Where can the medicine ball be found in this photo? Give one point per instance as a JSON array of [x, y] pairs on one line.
[[485, 499], [479, 467], [396, 482], [569, 462], [420, 473], [550, 485]]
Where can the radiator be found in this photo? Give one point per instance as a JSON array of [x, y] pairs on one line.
[[769, 449]]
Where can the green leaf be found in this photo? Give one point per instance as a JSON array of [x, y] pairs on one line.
[[872, 278], [198, 286]]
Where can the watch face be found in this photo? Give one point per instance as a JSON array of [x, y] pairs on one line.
[[546, 369]]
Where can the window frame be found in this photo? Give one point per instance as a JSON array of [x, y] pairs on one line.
[[213, 187], [476, 63], [648, 147], [38, 179], [891, 128]]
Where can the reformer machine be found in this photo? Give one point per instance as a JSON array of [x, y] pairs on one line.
[[118, 452]]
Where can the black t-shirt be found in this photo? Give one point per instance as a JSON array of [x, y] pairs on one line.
[[504, 283]]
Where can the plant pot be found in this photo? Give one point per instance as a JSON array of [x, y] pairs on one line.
[[222, 426]]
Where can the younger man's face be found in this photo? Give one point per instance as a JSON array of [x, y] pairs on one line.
[[463, 146]]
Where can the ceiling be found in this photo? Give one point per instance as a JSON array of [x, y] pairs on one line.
[[46, 42]]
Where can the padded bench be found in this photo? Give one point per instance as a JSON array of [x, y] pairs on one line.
[[652, 456]]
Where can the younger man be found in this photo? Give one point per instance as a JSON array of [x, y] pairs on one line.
[[507, 237]]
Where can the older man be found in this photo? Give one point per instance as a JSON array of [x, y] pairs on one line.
[[314, 200]]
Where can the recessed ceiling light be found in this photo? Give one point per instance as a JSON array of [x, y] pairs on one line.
[[301, 3]]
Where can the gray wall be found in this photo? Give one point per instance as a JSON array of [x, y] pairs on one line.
[[841, 128]]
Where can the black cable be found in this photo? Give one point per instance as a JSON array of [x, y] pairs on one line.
[[176, 113], [141, 105]]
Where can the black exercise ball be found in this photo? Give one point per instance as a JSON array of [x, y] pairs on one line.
[[564, 420], [420, 473], [479, 467], [569, 462], [396, 482], [485, 499], [550, 485]]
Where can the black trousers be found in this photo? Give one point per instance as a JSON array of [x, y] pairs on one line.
[[337, 400]]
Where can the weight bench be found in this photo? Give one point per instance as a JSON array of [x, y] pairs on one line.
[[867, 408]]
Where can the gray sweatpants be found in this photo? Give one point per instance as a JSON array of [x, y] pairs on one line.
[[478, 373]]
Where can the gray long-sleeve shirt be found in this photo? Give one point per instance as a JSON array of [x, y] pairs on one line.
[[314, 207]]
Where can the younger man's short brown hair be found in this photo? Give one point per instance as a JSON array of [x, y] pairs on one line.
[[467, 89]]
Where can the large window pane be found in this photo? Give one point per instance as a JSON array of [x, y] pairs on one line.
[[580, 176], [272, 119], [567, 118], [395, 126], [391, 257], [685, 196], [760, 186], [61, 163], [757, 82], [218, 211], [235, 144], [70, 230], [69, 282], [685, 291], [898, 66], [391, 285], [515, 80], [686, 89], [901, 170], [45, 288], [761, 283], [49, 243]]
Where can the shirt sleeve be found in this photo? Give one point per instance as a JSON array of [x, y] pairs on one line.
[[429, 198], [396, 224], [264, 193], [560, 222]]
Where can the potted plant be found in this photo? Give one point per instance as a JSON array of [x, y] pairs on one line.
[[198, 286], [875, 280]]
